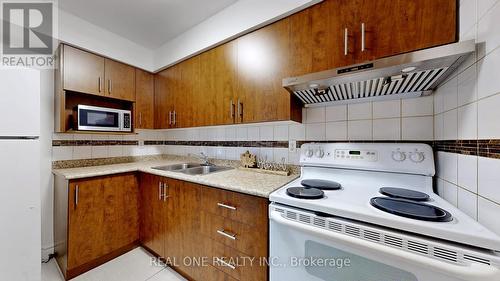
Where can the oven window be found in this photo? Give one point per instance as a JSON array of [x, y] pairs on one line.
[[94, 118], [331, 264]]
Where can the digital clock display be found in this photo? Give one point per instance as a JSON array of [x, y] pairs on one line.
[[354, 152]]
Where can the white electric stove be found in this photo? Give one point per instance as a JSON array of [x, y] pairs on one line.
[[374, 206]]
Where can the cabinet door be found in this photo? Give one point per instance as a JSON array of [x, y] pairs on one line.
[[86, 240], [262, 64], [187, 96], [121, 211], [120, 80], [166, 86], [152, 214], [82, 71], [183, 228], [144, 100], [398, 26]]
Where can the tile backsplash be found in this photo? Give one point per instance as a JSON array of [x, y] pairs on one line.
[[467, 108]]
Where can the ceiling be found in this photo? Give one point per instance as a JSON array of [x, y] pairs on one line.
[[149, 23]]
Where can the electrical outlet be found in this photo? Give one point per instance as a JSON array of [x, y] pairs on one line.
[[292, 146]]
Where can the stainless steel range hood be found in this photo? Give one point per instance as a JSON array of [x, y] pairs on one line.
[[407, 75]]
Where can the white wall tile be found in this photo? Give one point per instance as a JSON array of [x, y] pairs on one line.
[[280, 154], [267, 154], [487, 30], [451, 193], [467, 15], [315, 131], [467, 86], [253, 133], [58, 136], [487, 75], [467, 122], [266, 133], [487, 214], [489, 178], [281, 133], [220, 153], [417, 106], [467, 202], [297, 132], [467, 172], [220, 133], [60, 153], [418, 128], [315, 114], [483, 6], [438, 126], [230, 133], [359, 111], [336, 130], [450, 94], [488, 118], [241, 133], [115, 151], [387, 109], [440, 187], [387, 129], [450, 125], [447, 166], [439, 94], [82, 152], [99, 151], [336, 113], [360, 130]]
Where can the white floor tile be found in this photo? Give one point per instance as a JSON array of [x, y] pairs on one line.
[[133, 266]]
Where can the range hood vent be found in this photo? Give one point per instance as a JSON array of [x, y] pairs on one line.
[[407, 75]]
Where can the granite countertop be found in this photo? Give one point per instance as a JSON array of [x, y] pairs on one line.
[[248, 182]]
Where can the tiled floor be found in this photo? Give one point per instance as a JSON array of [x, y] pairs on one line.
[[133, 266]]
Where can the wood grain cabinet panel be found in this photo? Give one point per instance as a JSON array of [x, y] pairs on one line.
[[82, 71], [120, 80], [152, 213], [103, 221], [144, 100]]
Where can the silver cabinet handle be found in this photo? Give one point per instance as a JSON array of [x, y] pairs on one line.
[[140, 118], [175, 117], [160, 190], [222, 262], [226, 206], [346, 41], [165, 196], [170, 118], [231, 108], [225, 234], [100, 83], [77, 191], [362, 37], [240, 109]]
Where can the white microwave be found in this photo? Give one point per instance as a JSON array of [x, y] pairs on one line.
[[93, 118]]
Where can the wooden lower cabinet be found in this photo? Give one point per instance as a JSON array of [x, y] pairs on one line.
[[181, 226], [96, 220], [203, 233]]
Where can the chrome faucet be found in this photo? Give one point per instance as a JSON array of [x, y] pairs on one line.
[[202, 156]]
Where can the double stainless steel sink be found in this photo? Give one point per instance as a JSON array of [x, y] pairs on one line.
[[192, 168]]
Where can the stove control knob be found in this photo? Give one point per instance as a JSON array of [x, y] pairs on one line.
[[417, 157], [309, 153], [320, 153], [398, 156]]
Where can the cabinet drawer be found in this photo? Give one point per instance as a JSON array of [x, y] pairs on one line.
[[210, 273], [243, 237], [243, 208], [236, 264]]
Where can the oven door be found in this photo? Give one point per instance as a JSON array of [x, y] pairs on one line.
[[92, 118], [301, 251]]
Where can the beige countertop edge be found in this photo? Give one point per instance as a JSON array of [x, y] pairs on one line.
[[247, 182]]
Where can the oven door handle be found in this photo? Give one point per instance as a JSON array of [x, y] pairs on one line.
[[470, 272]]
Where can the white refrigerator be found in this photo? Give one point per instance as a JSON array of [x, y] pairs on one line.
[[20, 230]]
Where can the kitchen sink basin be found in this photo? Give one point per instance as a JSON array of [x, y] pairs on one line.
[[177, 167], [203, 170], [192, 168]]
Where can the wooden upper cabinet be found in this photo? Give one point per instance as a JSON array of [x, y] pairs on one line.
[[120, 80], [144, 100], [82, 71], [404, 26]]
